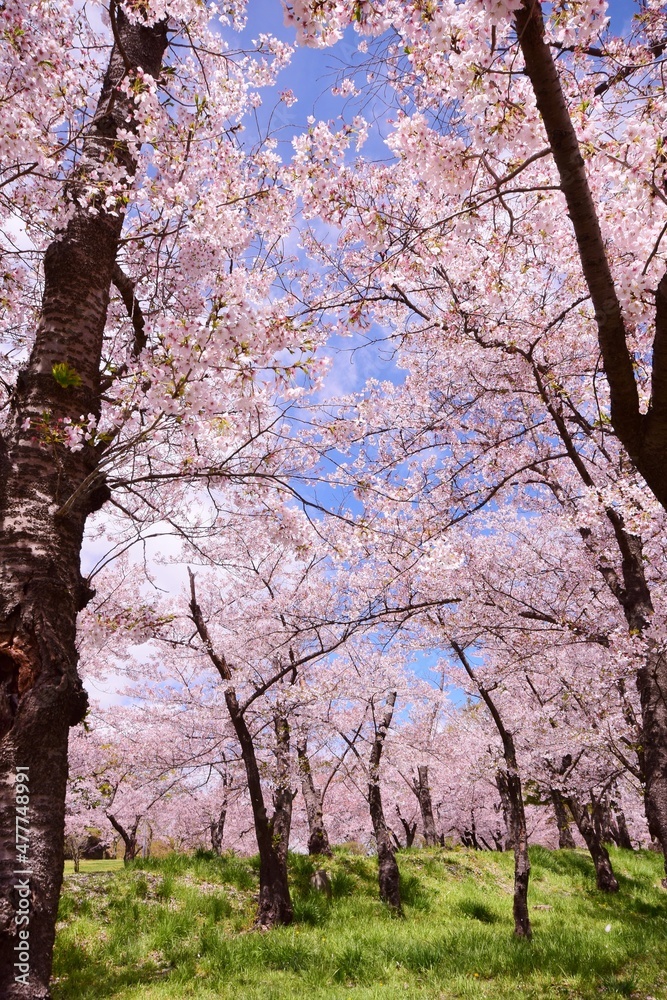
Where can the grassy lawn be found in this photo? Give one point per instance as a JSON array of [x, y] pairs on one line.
[[110, 865], [181, 927]]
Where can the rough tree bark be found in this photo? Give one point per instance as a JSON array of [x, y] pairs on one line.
[[518, 835], [275, 904], [585, 819], [422, 790], [511, 780], [643, 436], [565, 838], [388, 875], [42, 590], [318, 838], [283, 795]]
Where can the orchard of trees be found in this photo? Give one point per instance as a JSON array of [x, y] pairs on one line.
[[336, 443]]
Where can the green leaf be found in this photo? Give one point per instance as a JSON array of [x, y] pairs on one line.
[[65, 375]]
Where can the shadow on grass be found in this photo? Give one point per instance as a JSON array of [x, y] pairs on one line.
[[570, 864], [227, 868]]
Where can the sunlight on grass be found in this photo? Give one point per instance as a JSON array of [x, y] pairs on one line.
[[181, 927], [106, 865]]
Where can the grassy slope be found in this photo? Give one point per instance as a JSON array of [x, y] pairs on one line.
[[180, 927]]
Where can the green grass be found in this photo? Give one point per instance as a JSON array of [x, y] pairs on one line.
[[182, 927], [108, 865]]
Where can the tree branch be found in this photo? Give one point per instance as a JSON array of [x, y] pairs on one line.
[[126, 287], [541, 69]]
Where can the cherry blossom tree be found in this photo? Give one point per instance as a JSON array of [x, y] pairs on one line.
[[156, 340], [511, 249], [142, 238]]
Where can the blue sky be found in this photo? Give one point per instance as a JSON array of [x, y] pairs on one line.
[[310, 76], [312, 71]]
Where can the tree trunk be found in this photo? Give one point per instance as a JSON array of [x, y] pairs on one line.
[[623, 840], [388, 875], [583, 817], [283, 796], [73, 847], [518, 836], [511, 780], [129, 837], [565, 838], [409, 829], [275, 904], [147, 842], [422, 790], [652, 685], [218, 829], [469, 835], [503, 790], [217, 826], [610, 822], [41, 694], [318, 839]]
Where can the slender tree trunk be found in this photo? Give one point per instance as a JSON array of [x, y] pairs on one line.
[[388, 875], [129, 837], [624, 839], [565, 838], [499, 839], [518, 836], [503, 790], [610, 820], [409, 829], [42, 590], [318, 838], [283, 796], [73, 847], [583, 817], [422, 790], [275, 904], [511, 781], [147, 842], [469, 836], [217, 828]]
